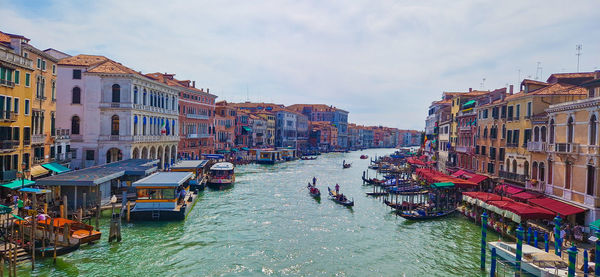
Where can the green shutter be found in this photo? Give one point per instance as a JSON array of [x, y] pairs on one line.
[[9, 75], [27, 79], [17, 77], [2, 73]]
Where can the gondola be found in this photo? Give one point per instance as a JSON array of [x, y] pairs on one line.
[[48, 251], [308, 158], [314, 191], [364, 157], [381, 193], [333, 195], [372, 181], [410, 215], [346, 165]]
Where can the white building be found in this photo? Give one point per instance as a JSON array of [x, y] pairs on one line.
[[115, 113]]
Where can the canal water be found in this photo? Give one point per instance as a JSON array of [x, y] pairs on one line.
[[267, 224]]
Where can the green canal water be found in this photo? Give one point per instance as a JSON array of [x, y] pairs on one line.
[[267, 224]]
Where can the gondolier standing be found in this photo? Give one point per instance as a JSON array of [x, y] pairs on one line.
[[314, 180], [337, 189]]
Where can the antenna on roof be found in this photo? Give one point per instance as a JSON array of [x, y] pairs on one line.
[[538, 70], [578, 54], [482, 83]]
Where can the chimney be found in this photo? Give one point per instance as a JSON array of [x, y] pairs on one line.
[[511, 89], [470, 89], [207, 90], [194, 84]]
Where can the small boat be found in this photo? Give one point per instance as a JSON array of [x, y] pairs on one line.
[[308, 158], [381, 193], [76, 232], [334, 197], [422, 215], [364, 157], [314, 191], [48, 251], [374, 166], [345, 165], [372, 181]]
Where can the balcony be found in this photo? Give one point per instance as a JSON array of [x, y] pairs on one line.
[[8, 116], [151, 109], [149, 138], [8, 175], [462, 149], [536, 146], [197, 116], [7, 83], [193, 136], [512, 144], [116, 105], [38, 138], [513, 176], [38, 160], [64, 157], [593, 149], [8, 145], [566, 148], [115, 138]]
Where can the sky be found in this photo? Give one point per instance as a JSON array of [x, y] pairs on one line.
[[383, 61]]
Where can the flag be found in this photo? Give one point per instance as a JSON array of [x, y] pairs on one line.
[[425, 142], [163, 127]]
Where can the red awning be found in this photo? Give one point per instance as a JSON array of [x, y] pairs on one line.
[[475, 178], [526, 195], [458, 173], [484, 196], [508, 189], [529, 212], [556, 206]]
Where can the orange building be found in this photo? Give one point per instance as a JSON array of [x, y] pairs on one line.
[[225, 127]]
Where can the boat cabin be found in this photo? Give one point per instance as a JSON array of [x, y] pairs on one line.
[[264, 156], [288, 154], [200, 169], [221, 173], [163, 196]]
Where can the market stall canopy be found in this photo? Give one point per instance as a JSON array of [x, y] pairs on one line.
[[526, 195], [595, 225], [475, 178], [56, 167], [35, 191], [458, 173], [442, 185], [38, 170], [468, 103], [508, 189], [16, 184], [556, 206]]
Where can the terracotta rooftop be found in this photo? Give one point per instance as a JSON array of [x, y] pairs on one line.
[[110, 66], [535, 82], [4, 37], [571, 75], [554, 89], [314, 107], [83, 60]]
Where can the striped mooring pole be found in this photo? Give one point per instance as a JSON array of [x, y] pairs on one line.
[[546, 243], [484, 218], [585, 263], [529, 236], [597, 254], [493, 266], [519, 253], [572, 251], [535, 238], [557, 241]]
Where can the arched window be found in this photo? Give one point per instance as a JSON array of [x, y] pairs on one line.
[[75, 125], [543, 131], [144, 126], [507, 165], [145, 97], [76, 96], [534, 170], [526, 168], [551, 131], [593, 127], [114, 125], [591, 179], [514, 166], [135, 125], [536, 134], [542, 172], [116, 93], [135, 95], [503, 131], [570, 130]]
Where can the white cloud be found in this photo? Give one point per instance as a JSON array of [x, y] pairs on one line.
[[384, 61]]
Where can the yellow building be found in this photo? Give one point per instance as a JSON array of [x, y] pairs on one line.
[[16, 91], [270, 118], [531, 101], [574, 152]]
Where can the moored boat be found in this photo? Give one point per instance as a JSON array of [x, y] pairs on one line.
[[48, 250], [68, 232], [306, 158], [340, 198], [221, 175], [163, 196], [423, 215]]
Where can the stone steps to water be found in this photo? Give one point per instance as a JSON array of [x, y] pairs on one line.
[[21, 255]]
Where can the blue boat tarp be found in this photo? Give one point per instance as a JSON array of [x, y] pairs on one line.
[[213, 156]]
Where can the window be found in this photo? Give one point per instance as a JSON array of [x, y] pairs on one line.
[[17, 77], [510, 113], [114, 126], [570, 130], [591, 179], [542, 172], [593, 127], [550, 172], [77, 74], [54, 69], [27, 79], [26, 107], [53, 94], [43, 65], [591, 92], [514, 166], [76, 96], [89, 155], [528, 109], [503, 131], [568, 168], [518, 111], [135, 95], [536, 134], [75, 125], [116, 93], [39, 63], [16, 108], [543, 131]]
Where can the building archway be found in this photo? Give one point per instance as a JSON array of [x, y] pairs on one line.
[[161, 157], [145, 152], [114, 154], [135, 153], [173, 154], [152, 152]]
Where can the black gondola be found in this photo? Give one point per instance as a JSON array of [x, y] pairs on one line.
[[314, 191], [334, 197], [48, 251], [413, 216]]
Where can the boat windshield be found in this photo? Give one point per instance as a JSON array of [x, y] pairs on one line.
[[222, 173], [155, 193]]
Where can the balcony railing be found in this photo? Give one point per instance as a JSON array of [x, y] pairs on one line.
[[153, 109], [38, 160], [512, 144], [149, 138], [566, 148], [197, 116], [8, 116], [63, 157], [513, 176], [8, 175], [38, 138], [536, 146], [116, 105], [7, 83], [593, 149], [8, 144]]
